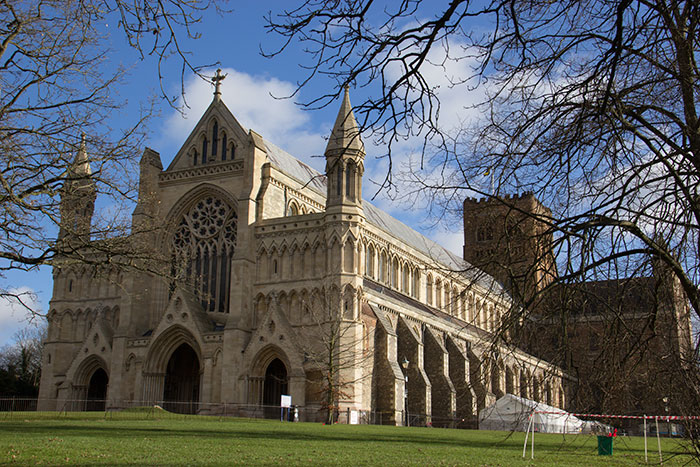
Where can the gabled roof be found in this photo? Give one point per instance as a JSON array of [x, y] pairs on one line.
[[345, 125], [226, 119]]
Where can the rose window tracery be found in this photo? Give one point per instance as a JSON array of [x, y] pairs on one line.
[[203, 244]]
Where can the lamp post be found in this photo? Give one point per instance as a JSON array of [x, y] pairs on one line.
[[404, 365]]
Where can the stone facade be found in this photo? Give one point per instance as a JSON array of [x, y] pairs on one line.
[[626, 341], [281, 280]]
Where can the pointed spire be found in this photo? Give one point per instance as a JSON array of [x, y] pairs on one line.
[[81, 164], [346, 133]]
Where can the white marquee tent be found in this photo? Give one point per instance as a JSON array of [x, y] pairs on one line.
[[511, 413]]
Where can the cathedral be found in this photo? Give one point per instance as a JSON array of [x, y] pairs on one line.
[[280, 281]]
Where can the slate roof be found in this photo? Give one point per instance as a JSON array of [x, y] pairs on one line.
[[316, 181]]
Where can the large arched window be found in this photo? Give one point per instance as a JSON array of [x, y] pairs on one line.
[[203, 246]]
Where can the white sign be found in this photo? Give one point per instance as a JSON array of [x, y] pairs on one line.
[[286, 401], [354, 417]]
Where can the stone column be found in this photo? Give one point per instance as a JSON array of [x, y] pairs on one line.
[[459, 374], [388, 380], [297, 389], [115, 389], [205, 385], [443, 395], [476, 378], [410, 347]]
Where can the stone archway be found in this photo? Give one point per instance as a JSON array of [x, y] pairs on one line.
[[276, 383], [97, 391], [181, 384], [89, 385], [175, 354], [268, 379]]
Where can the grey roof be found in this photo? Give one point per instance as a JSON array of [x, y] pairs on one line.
[[295, 168], [316, 181]]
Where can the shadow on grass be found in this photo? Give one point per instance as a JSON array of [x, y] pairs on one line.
[[275, 431], [261, 431]]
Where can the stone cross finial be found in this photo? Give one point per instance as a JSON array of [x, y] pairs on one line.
[[217, 83]]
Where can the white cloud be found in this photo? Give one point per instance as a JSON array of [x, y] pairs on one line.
[[453, 241], [254, 101], [14, 316], [250, 98]]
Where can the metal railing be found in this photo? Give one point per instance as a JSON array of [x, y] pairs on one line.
[[141, 409]]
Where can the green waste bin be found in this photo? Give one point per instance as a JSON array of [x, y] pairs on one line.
[[605, 445]]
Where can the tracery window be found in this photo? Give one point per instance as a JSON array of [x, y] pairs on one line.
[[203, 246]]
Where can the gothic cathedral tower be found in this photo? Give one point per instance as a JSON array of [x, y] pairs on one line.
[[344, 220], [77, 199]]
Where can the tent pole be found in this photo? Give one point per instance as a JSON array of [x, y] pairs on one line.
[[646, 456], [658, 439], [532, 444], [527, 433]]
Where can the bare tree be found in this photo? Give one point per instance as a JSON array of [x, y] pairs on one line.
[[20, 362], [335, 350], [590, 106], [59, 81]]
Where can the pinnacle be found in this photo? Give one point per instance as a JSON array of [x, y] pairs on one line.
[[346, 133], [81, 164]]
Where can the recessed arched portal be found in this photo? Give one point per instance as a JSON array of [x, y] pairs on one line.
[[276, 382], [97, 390], [181, 385]]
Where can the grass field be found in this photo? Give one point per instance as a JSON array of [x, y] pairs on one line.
[[149, 437]]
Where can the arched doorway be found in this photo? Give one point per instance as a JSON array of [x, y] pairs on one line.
[[274, 385], [97, 391], [181, 385]]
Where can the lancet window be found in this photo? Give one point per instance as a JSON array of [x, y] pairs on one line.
[[203, 246], [214, 140]]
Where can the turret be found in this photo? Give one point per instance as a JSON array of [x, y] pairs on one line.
[[345, 156], [146, 209], [78, 198]]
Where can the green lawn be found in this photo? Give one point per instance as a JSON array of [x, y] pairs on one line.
[[164, 439]]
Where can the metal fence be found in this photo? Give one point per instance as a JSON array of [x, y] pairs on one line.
[[139, 409]]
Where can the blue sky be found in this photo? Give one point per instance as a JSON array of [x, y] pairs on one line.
[[234, 40]]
